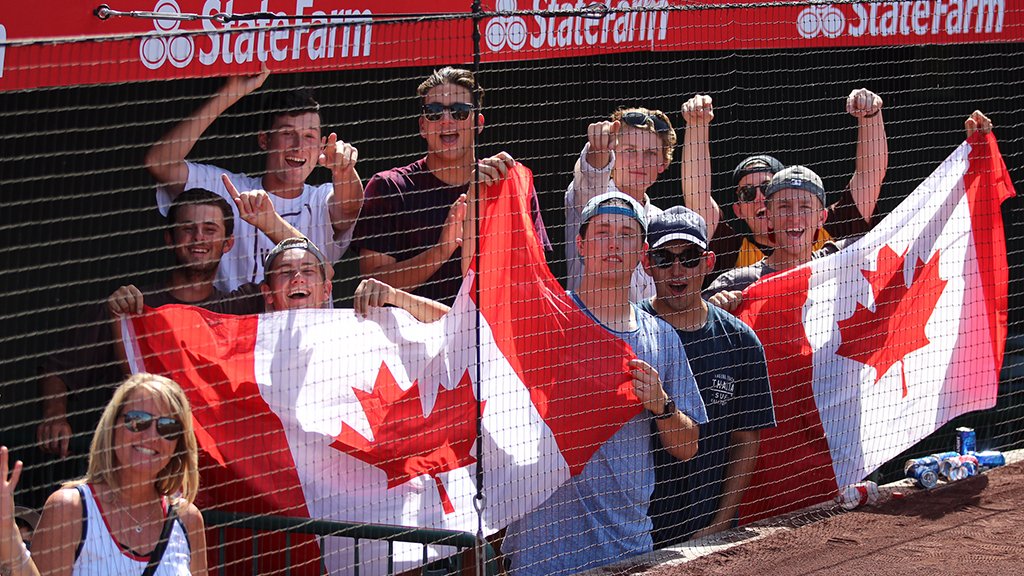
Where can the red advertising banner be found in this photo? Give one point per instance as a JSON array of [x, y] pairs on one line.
[[59, 43]]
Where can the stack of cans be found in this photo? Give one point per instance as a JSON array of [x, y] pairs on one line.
[[958, 467], [952, 466]]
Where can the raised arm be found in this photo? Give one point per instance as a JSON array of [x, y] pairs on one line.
[[872, 150], [347, 199], [594, 168], [977, 122], [257, 208], [165, 160], [372, 293], [14, 557], [410, 274], [696, 168]]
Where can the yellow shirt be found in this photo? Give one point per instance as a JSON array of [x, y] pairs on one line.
[[750, 253]]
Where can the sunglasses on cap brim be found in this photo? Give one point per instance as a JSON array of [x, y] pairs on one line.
[[641, 120], [459, 111]]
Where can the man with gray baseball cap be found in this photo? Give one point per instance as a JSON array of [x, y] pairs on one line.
[[600, 516], [747, 239], [795, 200], [701, 496]]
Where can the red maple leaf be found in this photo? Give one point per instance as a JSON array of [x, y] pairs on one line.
[[406, 444], [895, 328]]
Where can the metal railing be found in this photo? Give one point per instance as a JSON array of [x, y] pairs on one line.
[[357, 532]]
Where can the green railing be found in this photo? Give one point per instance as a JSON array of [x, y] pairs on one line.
[[357, 532]]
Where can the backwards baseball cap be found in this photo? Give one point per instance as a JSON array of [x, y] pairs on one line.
[[299, 243], [755, 164], [597, 206], [678, 223], [797, 177]]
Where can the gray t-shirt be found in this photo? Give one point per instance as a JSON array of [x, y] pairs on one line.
[[600, 516]]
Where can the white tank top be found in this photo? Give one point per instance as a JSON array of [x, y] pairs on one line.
[[99, 554]]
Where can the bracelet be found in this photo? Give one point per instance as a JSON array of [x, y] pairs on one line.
[[873, 114], [7, 568]]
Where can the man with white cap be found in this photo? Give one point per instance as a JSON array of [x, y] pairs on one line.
[[600, 516], [701, 496]]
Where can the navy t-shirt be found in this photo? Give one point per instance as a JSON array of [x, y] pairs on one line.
[[729, 364]]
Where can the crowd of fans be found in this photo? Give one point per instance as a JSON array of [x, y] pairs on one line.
[[664, 281]]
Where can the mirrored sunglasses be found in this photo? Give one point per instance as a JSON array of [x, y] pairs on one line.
[[748, 193], [689, 258], [139, 420], [459, 111], [641, 120]]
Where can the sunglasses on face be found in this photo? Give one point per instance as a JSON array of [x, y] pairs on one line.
[[689, 258], [748, 193], [641, 120], [167, 427], [458, 111]]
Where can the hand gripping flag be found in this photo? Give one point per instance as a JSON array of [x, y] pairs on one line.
[[323, 414], [873, 348]]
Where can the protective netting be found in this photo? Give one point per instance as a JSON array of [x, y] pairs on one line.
[[513, 415]]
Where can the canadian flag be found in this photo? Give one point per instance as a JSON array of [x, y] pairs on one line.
[[325, 414], [873, 348]]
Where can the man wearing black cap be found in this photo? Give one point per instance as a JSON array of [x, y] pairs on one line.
[[747, 239], [701, 496], [795, 201]]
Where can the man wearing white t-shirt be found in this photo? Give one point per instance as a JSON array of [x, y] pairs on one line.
[[625, 153], [294, 146]]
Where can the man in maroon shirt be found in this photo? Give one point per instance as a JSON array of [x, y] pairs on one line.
[[409, 233]]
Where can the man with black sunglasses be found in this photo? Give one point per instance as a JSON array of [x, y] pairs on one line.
[[409, 233], [700, 496], [749, 238], [625, 153]]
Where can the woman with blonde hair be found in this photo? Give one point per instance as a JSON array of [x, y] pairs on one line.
[[132, 513]]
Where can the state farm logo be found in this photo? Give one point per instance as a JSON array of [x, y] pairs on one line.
[[502, 30], [155, 50], [825, 20], [894, 18], [554, 25]]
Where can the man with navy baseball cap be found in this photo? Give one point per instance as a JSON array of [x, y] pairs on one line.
[[701, 496]]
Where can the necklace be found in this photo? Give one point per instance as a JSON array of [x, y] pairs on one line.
[[138, 525]]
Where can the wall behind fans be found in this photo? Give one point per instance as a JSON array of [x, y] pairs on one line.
[[78, 210]]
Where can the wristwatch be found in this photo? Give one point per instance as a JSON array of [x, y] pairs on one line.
[[667, 411]]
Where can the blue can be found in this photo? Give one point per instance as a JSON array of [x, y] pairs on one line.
[[969, 468], [923, 475], [965, 440], [943, 455], [929, 462], [990, 458]]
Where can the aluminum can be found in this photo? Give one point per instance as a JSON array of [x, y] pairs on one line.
[[965, 440], [929, 462], [943, 455], [924, 476], [858, 494], [990, 458], [969, 468]]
